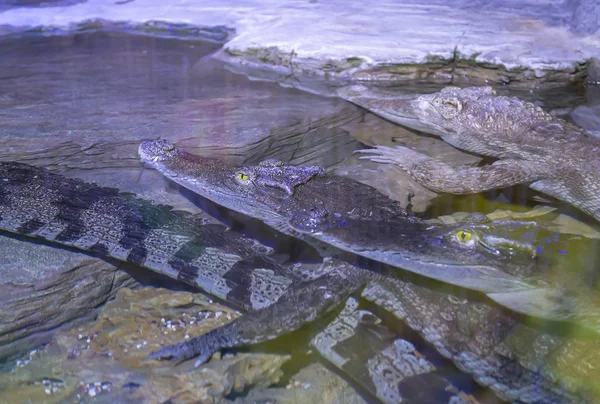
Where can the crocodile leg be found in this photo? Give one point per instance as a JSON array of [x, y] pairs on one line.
[[299, 305], [440, 177]]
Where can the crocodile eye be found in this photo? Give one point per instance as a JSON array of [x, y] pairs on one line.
[[450, 107], [464, 236], [453, 102], [243, 177]]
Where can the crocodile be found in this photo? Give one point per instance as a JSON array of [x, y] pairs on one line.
[[279, 295], [356, 218], [531, 146]]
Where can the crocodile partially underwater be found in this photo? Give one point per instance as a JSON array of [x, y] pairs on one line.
[[354, 217], [518, 362], [533, 147]]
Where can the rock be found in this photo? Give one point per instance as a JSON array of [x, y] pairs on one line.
[[318, 45], [594, 71], [44, 289], [567, 224], [588, 117], [104, 360], [312, 384], [586, 18], [299, 129]]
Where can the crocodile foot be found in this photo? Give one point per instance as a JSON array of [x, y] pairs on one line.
[[201, 347], [401, 156]]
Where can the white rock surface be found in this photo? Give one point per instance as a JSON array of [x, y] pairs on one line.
[[588, 117], [515, 34], [586, 15]]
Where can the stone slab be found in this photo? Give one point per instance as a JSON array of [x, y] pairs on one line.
[[524, 43]]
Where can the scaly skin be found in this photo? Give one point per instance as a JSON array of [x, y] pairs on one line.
[[534, 148], [356, 218], [281, 296]]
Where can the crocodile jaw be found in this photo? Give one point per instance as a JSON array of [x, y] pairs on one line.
[[204, 183]]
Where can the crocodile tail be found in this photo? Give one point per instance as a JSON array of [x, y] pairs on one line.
[[35, 202]]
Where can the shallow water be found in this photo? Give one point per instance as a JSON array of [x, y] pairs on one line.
[[80, 105]]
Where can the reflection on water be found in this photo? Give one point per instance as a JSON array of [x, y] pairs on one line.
[[80, 105]]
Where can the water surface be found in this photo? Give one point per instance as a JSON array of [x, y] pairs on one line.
[[80, 105]]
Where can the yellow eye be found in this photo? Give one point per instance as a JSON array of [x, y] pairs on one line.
[[243, 177], [463, 236]]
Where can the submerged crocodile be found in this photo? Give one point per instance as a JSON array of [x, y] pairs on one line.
[[533, 147], [280, 296], [354, 217]]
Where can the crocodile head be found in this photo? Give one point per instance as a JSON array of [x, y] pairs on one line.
[[474, 110], [338, 211], [480, 255], [452, 109], [228, 185], [479, 113]]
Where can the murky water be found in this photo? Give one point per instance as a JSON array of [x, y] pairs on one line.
[[80, 106]]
